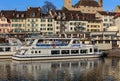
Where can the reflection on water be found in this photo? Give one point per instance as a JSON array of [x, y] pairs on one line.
[[63, 70]]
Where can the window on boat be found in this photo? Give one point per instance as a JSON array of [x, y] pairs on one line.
[[39, 51], [53, 52], [65, 52], [95, 50], [90, 50], [32, 52], [7, 49], [83, 51], [1, 50], [35, 51], [74, 51], [76, 42], [40, 41]]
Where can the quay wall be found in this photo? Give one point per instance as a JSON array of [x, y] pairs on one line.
[[113, 53]]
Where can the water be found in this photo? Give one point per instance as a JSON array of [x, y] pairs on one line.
[[91, 69]]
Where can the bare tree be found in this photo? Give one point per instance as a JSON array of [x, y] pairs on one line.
[[48, 6]]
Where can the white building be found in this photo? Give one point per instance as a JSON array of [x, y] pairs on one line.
[[106, 17]]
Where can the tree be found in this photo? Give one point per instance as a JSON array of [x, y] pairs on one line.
[[47, 7]]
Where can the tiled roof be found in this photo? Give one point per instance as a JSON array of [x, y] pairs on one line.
[[117, 15], [33, 12], [72, 15], [92, 3], [19, 15], [107, 13], [8, 13]]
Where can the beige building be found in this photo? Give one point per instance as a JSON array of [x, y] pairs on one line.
[[117, 9], [85, 6], [71, 21], [106, 17], [33, 19], [5, 25]]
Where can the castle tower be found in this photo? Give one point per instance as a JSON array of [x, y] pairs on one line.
[[68, 4], [100, 2]]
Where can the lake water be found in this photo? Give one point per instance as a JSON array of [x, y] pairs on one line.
[[91, 69]]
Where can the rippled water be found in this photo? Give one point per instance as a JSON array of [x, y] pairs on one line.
[[91, 69]]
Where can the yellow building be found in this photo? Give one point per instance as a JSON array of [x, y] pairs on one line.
[[47, 26], [94, 26], [18, 21]]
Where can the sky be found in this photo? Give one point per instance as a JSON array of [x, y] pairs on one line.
[[109, 5]]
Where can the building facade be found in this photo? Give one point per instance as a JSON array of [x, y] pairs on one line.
[[106, 17], [5, 25], [85, 6]]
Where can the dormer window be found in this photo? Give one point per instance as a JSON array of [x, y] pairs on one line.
[[3, 19], [22, 15], [17, 15], [33, 14]]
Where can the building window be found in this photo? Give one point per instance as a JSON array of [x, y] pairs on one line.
[[43, 20], [28, 25], [49, 24], [49, 20]]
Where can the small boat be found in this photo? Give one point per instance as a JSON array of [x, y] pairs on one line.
[[55, 49], [9, 48]]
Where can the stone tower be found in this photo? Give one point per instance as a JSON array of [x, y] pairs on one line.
[[68, 4], [100, 2]]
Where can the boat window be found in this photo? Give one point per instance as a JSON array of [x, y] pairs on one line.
[[32, 52], [53, 52], [83, 51], [40, 41], [75, 42], [7, 49], [74, 51], [1, 50], [39, 51], [90, 50], [95, 50], [35, 51], [65, 52]]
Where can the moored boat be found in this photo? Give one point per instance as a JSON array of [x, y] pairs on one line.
[[8, 48], [55, 49]]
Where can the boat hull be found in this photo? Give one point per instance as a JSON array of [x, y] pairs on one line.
[[6, 55], [59, 57]]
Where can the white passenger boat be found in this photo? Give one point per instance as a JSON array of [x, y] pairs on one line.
[[9, 48], [55, 49]]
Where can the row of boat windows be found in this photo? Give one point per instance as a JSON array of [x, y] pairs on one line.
[[53, 52], [5, 49], [51, 44]]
